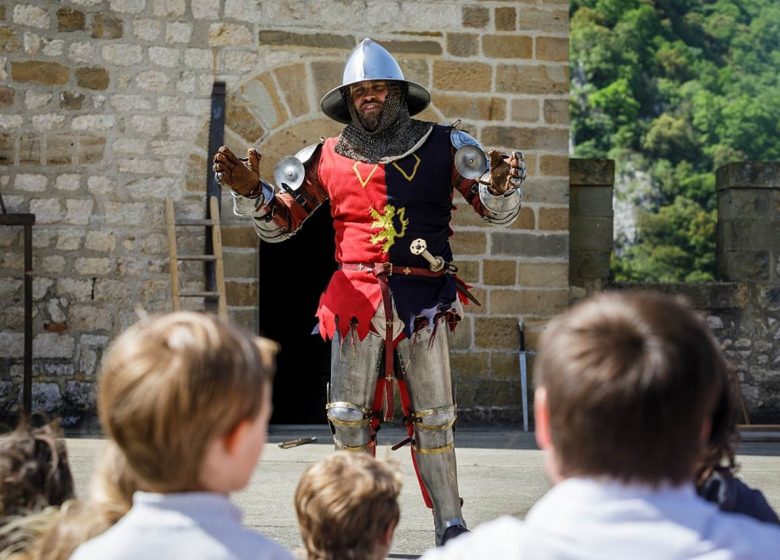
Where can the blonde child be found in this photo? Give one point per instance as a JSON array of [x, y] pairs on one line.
[[186, 397]]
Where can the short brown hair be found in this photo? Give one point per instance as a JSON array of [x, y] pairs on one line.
[[631, 378], [34, 469], [170, 385], [345, 504]]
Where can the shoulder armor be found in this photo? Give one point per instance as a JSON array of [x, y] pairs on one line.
[[308, 152], [460, 139]]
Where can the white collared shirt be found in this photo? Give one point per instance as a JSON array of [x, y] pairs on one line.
[[587, 519]]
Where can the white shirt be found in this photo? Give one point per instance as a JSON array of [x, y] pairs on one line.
[[585, 519], [192, 525]]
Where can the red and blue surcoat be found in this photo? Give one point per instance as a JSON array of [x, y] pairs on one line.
[[378, 210]]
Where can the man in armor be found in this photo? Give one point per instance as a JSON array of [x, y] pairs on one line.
[[390, 180]]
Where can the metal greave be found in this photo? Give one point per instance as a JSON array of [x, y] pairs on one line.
[[426, 366]]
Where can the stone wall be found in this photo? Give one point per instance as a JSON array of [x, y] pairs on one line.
[[104, 109], [743, 309]]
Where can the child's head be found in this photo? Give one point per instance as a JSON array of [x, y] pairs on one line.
[[113, 484], [628, 383], [176, 389], [347, 506], [34, 470]]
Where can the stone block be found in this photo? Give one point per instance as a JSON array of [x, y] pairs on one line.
[[229, 34], [123, 54], [554, 166], [552, 245], [473, 108], [69, 20], [528, 302], [47, 210], [12, 344], [469, 243], [48, 122], [204, 9], [241, 293], [751, 266], [591, 201], [71, 100], [165, 56], [326, 75], [469, 366], [592, 171], [69, 240], [90, 318], [246, 317], [476, 17], [80, 396], [7, 149], [291, 80], [558, 219], [46, 73], [498, 393], [424, 47], [525, 220], [496, 333], [242, 121], [499, 272], [127, 6], [506, 18], [241, 265], [526, 138], [60, 149], [31, 16], [46, 397], [260, 94], [178, 32], [83, 53], [552, 48], [460, 338], [105, 27], [310, 40], [556, 111], [152, 81], [506, 367], [9, 40], [169, 8], [75, 289], [240, 237], [29, 149], [78, 211], [748, 174], [7, 96], [508, 46], [543, 274], [585, 266], [535, 80], [525, 110], [147, 29], [462, 76], [543, 20], [53, 345], [468, 270], [91, 149], [93, 266], [462, 44]]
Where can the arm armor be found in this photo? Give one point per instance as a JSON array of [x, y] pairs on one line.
[[277, 215], [494, 209]]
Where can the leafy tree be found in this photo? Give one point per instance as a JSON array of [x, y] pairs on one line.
[[672, 90]]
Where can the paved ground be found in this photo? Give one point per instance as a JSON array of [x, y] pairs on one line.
[[500, 472]]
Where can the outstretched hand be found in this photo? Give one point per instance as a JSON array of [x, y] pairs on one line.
[[506, 172], [240, 174]]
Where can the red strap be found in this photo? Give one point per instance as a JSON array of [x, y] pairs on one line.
[[381, 273]]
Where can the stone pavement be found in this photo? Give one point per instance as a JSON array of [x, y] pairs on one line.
[[500, 472]]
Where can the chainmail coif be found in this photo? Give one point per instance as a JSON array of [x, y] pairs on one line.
[[395, 134]]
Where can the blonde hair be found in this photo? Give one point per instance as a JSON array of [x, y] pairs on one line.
[[170, 385], [345, 504]]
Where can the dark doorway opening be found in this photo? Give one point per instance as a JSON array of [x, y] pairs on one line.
[[293, 274]]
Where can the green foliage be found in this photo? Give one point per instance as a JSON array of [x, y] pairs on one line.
[[673, 89]]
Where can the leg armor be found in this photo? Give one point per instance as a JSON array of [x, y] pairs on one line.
[[353, 381], [426, 367]]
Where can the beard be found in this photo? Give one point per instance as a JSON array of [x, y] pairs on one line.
[[370, 121]]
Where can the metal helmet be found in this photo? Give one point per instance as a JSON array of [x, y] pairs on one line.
[[371, 61]]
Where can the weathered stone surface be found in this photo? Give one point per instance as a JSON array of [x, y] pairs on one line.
[[105, 27], [71, 100], [9, 40], [543, 275], [69, 20], [241, 293], [165, 56], [168, 8], [291, 79], [476, 108], [536, 19], [31, 16], [526, 138], [7, 96], [46, 73], [242, 121], [326, 76], [529, 302], [92, 318], [463, 44], [525, 220], [506, 19], [552, 48], [507, 46], [556, 219], [91, 149], [496, 333], [29, 149], [553, 245], [554, 165], [556, 111], [53, 345], [750, 174], [80, 396], [242, 236], [60, 149], [92, 78], [122, 54], [537, 79], [317, 40], [7, 149], [499, 272], [462, 76], [469, 243], [525, 110], [225, 34], [46, 397], [476, 17], [12, 344], [178, 32]]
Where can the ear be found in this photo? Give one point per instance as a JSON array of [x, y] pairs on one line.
[[232, 440], [387, 539], [542, 419]]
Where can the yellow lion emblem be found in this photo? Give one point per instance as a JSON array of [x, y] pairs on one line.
[[385, 222]]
